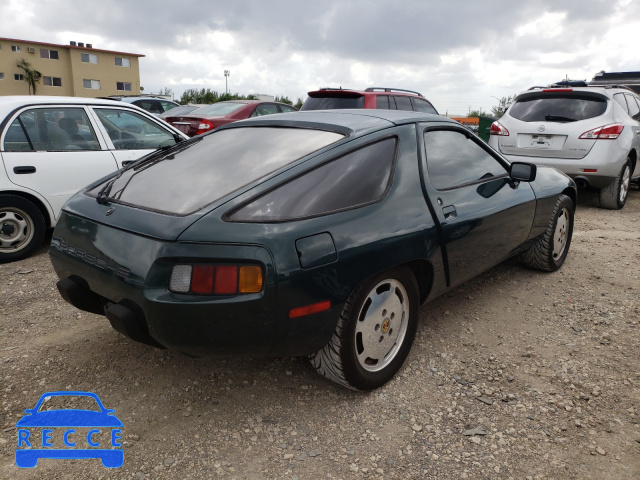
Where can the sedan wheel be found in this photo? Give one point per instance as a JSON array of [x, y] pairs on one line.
[[374, 333], [21, 228]]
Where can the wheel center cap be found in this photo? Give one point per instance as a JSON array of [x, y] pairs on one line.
[[7, 229], [385, 325]]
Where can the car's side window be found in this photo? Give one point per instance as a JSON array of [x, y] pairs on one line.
[[382, 102], [265, 109], [619, 97], [634, 110], [403, 103], [455, 159], [420, 105], [166, 105], [358, 178], [51, 129], [131, 131], [286, 109]]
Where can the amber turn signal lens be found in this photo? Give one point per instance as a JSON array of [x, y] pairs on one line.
[[250, 279]]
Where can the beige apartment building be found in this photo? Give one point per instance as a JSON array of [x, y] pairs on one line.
[[76, 70]]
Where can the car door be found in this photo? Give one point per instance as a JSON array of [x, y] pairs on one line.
[[130, 134], [483, 215], [54, 151]]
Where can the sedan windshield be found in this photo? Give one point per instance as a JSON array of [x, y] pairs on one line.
[[183, 181]]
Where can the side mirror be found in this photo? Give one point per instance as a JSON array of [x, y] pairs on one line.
[[524, 172]]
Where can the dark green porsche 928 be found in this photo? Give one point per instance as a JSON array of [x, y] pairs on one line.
[[313, 233]]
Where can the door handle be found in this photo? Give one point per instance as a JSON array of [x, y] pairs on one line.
[[24, 170], [449, 212]]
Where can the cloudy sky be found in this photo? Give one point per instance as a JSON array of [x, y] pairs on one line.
[[458, 53]]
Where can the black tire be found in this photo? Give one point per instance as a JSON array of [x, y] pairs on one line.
[[22, 228], [614, 195], [391, 328], [549, 251]]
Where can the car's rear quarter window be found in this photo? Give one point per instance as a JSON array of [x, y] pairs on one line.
[[355, 179]]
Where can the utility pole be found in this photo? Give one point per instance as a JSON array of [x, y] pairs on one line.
[[226, 86]]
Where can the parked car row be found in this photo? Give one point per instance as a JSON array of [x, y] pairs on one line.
[[315, 233]]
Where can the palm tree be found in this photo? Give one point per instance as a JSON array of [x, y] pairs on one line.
[[31, 76]]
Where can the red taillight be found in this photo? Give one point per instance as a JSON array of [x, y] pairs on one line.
[[202, 279], [205, 126], [498, 129], [606, 132], [309, 309], [226, 279], [216, 279]]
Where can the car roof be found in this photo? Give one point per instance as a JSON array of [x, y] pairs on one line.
[[607, 90], [367, 91], [354, 120], [11, 102]]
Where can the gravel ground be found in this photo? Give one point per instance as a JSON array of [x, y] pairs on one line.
[[516, 374]]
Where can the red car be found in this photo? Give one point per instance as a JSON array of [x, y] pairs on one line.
[[373, 97], [207, 118]]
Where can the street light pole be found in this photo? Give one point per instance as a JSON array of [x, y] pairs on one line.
[[226, 87]]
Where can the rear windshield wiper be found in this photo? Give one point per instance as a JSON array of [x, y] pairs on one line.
[[558, 118], [146, 161]]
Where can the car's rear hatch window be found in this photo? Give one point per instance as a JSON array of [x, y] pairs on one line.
[[211, 167], [333, 100], [558, 107]]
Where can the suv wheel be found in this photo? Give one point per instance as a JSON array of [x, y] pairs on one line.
[[614, 195]]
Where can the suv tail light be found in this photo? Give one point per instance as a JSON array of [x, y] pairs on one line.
[[215, 279], [205, 126], [606, 132], [498, 129]]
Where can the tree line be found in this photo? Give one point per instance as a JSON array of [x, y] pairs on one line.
[[208, 96]]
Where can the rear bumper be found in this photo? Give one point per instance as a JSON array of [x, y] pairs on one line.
[[125, 276], [606, 157]]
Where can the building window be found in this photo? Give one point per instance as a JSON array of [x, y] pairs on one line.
[[123, 86], [92, 84], [15, 48], [18, 76], [52, 81], [1, 75], [89, 57], [123, 62], [51, 54]]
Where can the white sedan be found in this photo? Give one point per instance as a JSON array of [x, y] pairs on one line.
[[51, 147]]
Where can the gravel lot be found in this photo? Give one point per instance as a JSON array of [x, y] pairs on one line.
[[516, 374]]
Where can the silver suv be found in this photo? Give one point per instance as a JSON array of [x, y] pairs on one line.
[[591, 133]]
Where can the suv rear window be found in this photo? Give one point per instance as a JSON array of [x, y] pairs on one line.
[[557, 108], [333, 101], [211, 167]]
